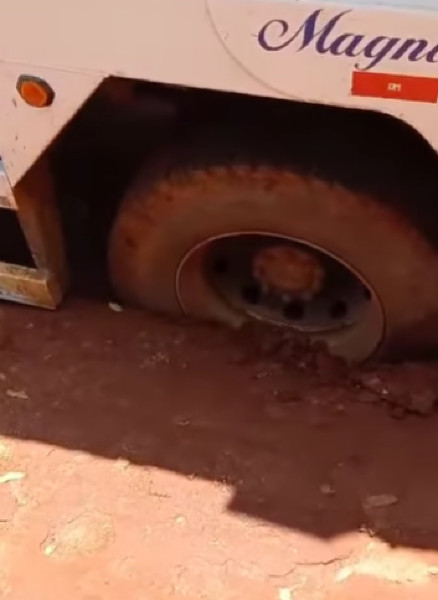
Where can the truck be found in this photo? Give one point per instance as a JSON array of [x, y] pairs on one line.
[[272, 160]]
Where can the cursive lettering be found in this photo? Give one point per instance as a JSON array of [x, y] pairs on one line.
[[324, 37]]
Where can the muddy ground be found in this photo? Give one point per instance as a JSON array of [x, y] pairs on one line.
[[146, 459]]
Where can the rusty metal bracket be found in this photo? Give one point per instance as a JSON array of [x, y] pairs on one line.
[[33, 199]]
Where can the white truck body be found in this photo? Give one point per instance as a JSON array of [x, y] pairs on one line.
[[320, 52]]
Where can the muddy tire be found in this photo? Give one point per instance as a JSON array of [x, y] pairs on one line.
[[160, 239]]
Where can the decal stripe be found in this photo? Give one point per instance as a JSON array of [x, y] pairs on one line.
[[394, 86]]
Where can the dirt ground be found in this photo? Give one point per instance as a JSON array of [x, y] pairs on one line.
[[145, 459]]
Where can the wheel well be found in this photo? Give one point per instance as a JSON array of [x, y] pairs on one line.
[[127, 122]]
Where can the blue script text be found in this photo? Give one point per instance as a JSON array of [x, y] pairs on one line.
[[326, 37]]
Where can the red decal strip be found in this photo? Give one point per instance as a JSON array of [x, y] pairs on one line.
[[396, 87]]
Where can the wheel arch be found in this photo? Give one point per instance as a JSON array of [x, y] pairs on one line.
[[311, 135]]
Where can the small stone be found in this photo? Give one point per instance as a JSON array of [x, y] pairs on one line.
[[17, 394], [285, 594], [12, 476], [181, 421], [380, 501], [371, 381], [115, 307], [344, 574], [369, 530], [327, 490], [50, 549], [122, 463]]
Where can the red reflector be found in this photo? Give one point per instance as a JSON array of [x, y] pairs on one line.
[[397, 87]]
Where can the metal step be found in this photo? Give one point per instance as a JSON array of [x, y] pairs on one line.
[[28, 286]]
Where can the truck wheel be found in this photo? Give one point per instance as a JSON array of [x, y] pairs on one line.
[[232, 242]]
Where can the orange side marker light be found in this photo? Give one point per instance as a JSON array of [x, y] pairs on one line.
[[35, 91]]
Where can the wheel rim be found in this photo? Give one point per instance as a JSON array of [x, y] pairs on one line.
[[292, 283]]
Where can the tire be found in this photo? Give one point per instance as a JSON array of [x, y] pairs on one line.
[[165, 216]]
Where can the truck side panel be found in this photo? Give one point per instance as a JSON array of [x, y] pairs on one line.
[[301, 50], [26, 131]]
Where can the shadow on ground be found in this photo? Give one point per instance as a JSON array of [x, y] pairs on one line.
[[172, 396]]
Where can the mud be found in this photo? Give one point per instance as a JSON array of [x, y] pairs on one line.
[[404, 388]]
